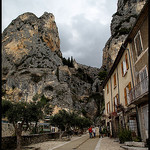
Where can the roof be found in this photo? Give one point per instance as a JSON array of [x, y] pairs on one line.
[[133, 31]]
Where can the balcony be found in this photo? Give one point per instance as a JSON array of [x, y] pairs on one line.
[[139, 92]]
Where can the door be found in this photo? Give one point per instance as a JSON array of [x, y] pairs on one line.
[[145, 120]]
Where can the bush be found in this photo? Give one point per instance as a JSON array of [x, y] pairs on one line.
[[102, 75], [137, 139], [123, 31], [125, 135], [104, 131]]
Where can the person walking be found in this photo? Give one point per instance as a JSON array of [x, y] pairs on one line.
[[100, 132], [94, 131], [90, 131]]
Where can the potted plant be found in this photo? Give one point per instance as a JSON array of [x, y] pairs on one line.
[[124, 135]]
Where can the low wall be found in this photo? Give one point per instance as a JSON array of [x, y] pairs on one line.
[[9, 143], [8, 130]]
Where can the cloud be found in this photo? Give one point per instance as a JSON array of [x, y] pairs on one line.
[[83, 25], [84, 40]]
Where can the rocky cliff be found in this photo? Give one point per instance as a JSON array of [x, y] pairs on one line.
[[121, 24], [32, 66]]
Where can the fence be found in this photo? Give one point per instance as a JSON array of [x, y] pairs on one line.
[[140, 89]]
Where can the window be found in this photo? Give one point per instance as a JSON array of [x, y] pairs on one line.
[[143, 77], [138, 43], [116, 102], [115, 80], [124, 65], [108, 107], [107, 88], [127, 89], [132, 125]]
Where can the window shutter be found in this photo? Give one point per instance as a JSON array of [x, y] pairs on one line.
[[127, 66], [122, 67], [114, 104], [117, 99], [115, 79], [129, 86], [107, 108], [107, 88], [125, 96]]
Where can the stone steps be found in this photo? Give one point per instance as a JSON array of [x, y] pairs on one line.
[[134, 146]]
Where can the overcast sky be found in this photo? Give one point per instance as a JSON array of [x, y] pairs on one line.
[[83, 25]]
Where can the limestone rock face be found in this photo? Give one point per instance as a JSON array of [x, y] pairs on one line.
[[32, 66], [121, 24]]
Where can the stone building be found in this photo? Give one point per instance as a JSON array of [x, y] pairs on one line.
[[126, 86]]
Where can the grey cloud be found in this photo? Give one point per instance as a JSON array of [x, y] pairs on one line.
[[92, 38]]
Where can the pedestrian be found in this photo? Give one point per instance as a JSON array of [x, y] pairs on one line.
[[94, 131], [108, 131], [100, 132], [90, 131]]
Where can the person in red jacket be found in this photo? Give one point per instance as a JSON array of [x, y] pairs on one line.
[[90, 131]]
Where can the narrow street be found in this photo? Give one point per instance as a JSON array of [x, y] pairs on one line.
[[85, 143], [82, 143], [78, 143]]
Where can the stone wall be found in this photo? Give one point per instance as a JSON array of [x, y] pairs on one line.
[[9, 143], [8, 130]]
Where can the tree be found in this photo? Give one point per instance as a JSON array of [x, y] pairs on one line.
[[39, 104], [68, 62], [65, 120], [102, 75], [20, 113]]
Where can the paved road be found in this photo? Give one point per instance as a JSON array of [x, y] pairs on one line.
[[83, 143]]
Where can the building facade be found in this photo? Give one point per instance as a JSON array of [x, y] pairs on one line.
[[126, 86], [138, 48]]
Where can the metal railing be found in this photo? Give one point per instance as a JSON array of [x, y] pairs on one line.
[[140, 89]]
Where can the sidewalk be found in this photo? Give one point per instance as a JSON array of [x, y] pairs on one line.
[[107, 143]]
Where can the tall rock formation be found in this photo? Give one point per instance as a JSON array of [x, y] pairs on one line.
[[121, 24], [32, 66]]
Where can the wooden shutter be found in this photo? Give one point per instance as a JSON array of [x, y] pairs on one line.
[[129, 86], [126, 61], [117, 99], [114, 79], [125, 96], [107, 108], [107, 88], [114, 104], [108, 104], [122, 68]]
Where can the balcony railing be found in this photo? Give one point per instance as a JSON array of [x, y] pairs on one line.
[[139, 90]]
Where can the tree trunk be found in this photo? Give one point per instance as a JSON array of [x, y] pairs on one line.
[[18, 130], [61, 133], [36, 128], [18, 140]]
